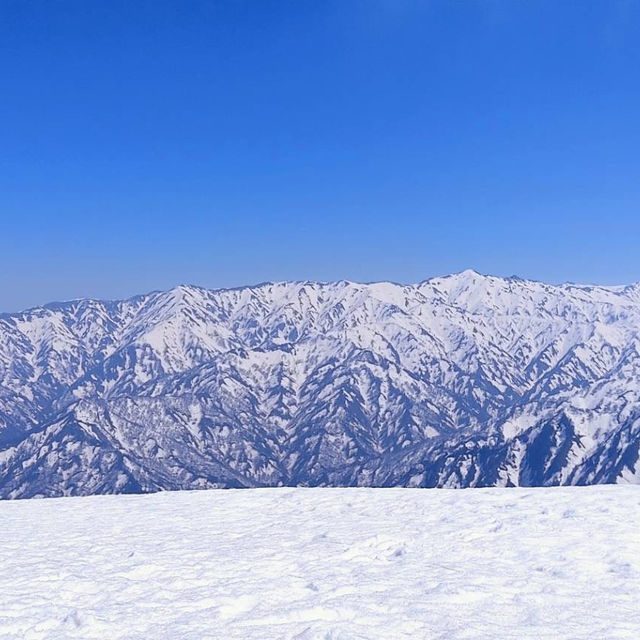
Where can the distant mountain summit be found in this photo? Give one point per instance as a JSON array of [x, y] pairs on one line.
[[459, 381]]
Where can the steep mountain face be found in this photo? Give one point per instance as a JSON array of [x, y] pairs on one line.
[[465, 380]]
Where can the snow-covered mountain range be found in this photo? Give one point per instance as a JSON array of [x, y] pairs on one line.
[[464, 380]]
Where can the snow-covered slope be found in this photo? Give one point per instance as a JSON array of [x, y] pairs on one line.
[[558, 563], [465, 380]]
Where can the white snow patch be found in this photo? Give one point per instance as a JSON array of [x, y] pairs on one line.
[[324, 563]]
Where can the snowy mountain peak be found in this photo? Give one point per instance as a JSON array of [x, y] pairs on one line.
[[460, 380]]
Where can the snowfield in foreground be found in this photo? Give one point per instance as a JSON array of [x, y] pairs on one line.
[[324, 563]]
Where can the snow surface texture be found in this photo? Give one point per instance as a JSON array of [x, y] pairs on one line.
[[461, 381], [324, 563]]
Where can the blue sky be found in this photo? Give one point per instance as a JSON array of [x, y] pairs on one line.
[[147, 144]]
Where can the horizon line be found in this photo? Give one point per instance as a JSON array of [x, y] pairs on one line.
[[468, 271]]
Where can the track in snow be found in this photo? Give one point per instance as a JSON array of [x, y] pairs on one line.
[[324, 563]]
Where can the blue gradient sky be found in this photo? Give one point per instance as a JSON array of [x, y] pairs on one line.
[[147, 144]]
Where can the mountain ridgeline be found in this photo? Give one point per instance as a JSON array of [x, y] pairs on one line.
[[460, 381]]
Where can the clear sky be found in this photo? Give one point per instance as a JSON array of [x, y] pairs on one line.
[[147, 144]]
